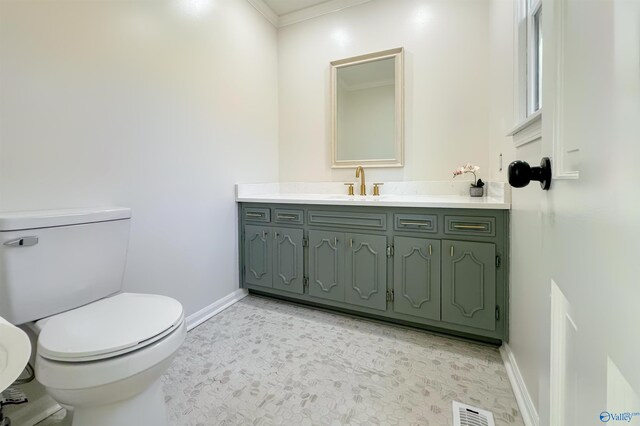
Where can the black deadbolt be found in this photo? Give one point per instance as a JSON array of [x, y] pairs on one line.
[[521, 173]]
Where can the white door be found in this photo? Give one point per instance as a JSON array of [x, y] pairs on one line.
[[590, 219]]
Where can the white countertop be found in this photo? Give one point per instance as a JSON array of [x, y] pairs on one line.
[[399, 194]]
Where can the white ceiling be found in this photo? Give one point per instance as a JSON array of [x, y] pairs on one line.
[[287, 12], [282, 7]]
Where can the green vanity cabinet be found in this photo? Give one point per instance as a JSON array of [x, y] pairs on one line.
[[288, 260], [326, 265], [416, 277], [258, 256], [440, 269], [469, 284], [348, 268], [274, 258], [366, 270]]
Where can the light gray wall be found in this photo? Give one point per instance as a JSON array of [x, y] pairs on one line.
[[446, 85], [161, 106]]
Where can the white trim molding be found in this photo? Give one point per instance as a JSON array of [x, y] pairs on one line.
[[530, 130], [529, 119], [215, 308], [563, 376], [303, 14], [266, 11], [555, 11], [525, 403], [317, 10], [527, 92]]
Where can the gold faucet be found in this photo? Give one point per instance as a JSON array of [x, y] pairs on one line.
[[363, 186]]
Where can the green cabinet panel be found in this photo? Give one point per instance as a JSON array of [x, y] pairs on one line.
[[288, 258], [469, 284], [326, 265], [273, 257], [257, 214], [416, 277], [258, 256], [469, 225], [366, 270], [342, 219], [289, 216]]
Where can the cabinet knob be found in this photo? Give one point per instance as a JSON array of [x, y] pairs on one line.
[[521, 173]]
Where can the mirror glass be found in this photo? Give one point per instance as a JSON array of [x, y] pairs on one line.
[[367, 110]]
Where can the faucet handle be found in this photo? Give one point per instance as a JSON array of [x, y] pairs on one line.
[[376, 188], [350, 189]]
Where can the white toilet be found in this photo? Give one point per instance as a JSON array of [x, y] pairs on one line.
[[100, 352]]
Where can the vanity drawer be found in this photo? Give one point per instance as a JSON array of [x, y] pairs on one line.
[[288, 216], [338, 219], [468, 225], [257, 214], [415, 222]]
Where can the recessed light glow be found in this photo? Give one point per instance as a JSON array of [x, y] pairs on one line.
[[422, 16], [195, 8], [341, 37]]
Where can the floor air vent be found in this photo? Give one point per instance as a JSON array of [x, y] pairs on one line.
[[466, 415]]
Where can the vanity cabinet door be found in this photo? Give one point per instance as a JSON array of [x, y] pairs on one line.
[[326, 265], [288, 260], [416, 277], [258, 255], [366, 270], [469, 284]]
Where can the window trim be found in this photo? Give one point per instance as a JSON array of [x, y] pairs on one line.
[[533, 58], [528, 130], [529, 120]]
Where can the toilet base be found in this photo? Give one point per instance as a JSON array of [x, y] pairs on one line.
[[124, 390], [145, 409]]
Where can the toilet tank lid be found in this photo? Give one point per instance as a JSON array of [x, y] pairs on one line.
[[35, 219]]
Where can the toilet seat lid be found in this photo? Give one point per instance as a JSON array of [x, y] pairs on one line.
[[109, 327]]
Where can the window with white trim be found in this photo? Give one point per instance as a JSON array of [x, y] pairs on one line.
[[534, 55], [528, 55]]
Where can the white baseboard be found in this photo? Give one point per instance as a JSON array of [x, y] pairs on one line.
[[216, 307], [525, 403]]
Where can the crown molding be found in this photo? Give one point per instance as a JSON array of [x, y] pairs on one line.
[[317, 10], [266, 11], [303, 14]]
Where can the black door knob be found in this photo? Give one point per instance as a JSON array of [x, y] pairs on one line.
[[521, 173]]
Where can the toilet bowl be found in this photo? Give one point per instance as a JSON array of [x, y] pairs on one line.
[[105, 359], [100, 352]]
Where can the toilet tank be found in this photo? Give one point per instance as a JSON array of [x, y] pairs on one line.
[[56, 260]]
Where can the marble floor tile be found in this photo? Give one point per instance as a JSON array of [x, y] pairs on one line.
[[266, 362]]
